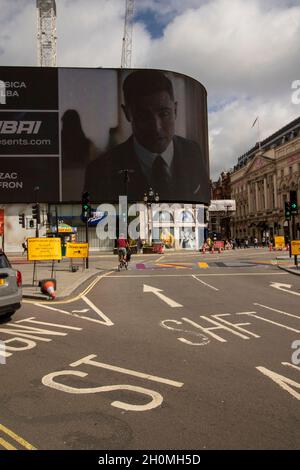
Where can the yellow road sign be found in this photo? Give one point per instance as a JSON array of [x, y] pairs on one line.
[[77, 250], [44, 249], [279, 242], [295, 246]]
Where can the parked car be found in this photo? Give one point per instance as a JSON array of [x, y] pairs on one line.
[[10, 287]]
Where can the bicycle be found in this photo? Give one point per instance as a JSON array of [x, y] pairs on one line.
[[122, 262]]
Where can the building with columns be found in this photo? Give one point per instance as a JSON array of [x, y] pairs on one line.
[[261, 182]]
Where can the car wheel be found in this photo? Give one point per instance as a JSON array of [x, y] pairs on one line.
[[7, 315]]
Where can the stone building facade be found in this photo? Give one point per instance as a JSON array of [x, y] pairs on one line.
[[261, 183]]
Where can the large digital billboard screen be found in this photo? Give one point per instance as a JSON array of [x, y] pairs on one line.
[[70, 130]]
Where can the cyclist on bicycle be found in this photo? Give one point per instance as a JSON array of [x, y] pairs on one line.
[[122, 245]]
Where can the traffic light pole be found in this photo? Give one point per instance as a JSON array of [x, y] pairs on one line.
[[293, 238], [87, 241]]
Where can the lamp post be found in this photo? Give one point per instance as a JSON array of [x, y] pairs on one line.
[[149, 198], [124, 204], [227, 231], [36, 200]]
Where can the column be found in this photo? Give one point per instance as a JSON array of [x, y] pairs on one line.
[[256, 196], [275, 190], [265, 193], [249, 198]]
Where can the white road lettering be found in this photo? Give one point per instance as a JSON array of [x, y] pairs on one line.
[[32, 334], [236, 325], [156, 398], [206, 330], [204, 338], [88, 360], [284, 382], [158, 293]]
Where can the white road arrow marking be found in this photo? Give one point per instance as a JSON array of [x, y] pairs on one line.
[[84, 310], [164, 298], [284, 287]]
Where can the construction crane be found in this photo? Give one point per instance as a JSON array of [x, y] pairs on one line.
[[127, 37], [46, 33]]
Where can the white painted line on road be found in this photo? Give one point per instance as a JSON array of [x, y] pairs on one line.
[[107, 321], [280, 286], [156, 398], [158, 293], [206, 330], [290, 365], [241, 313], [271, 321], [161, 257], [235, 325], [282, 381], [126, 276], [204, 339], [202, 282], [34, 321], [73, 299], [278, 311], [89, 361], [219, 326]]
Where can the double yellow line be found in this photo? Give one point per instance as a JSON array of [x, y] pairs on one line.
[[17, 440]]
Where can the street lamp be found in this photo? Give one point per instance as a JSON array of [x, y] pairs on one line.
[[227, 231], [149, 198], [124, 204]]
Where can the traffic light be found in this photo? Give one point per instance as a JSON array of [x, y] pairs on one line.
[[293, 202], [22, 220], [86, 206], [36, 213], [287, 210]]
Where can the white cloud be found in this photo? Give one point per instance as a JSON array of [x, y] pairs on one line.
[[244, 54]]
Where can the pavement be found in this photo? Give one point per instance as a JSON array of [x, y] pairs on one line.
[[287, 264], [68, 281]]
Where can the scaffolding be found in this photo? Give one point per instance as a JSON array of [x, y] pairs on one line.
[[46, 33], [127, 37]]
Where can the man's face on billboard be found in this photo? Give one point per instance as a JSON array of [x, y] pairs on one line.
[[153, 120]]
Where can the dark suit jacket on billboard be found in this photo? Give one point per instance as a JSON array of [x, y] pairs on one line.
[[189, 181]]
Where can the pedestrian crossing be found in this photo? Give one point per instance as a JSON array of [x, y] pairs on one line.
[[199, 265]]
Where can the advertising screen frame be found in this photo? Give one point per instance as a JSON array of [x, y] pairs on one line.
[[96, 96]]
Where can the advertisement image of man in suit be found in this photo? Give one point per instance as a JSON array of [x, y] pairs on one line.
[[172, 165]]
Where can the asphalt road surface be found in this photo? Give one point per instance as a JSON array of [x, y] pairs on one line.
[[178, 352]]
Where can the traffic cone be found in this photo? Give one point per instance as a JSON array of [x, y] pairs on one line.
[[48, 287]]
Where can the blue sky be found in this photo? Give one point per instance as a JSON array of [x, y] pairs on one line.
[[246, 53]]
